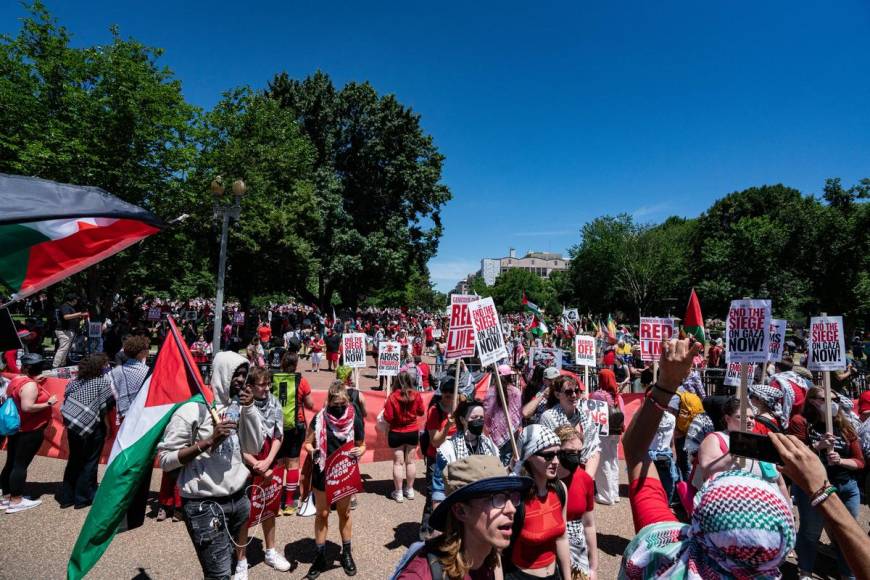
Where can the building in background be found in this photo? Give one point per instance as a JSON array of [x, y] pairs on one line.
[[541, 264]]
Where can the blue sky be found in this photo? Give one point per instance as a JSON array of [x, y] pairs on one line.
[[552, 113]]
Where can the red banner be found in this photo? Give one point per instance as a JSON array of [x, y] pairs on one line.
[[266, 496], [342, 474]]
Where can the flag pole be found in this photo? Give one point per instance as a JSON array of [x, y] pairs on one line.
[[507, 414], [173, 329]]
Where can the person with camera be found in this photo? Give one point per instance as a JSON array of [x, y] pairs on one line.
[[34, 405], [213, 475], [68, 320]]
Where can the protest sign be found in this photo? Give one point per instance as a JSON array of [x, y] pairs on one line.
[[95, 329], [389, 359], [353, 349], [746, 331], [826, 346], [547, 357], [266, 496], [570, 315], [342, 474], [239, 319], [599, 413], [652, 332], [732, 375], [584, 350], [436, 333], [153, 314], [460, 333], [487, 331], [63, 372], [777, 339]]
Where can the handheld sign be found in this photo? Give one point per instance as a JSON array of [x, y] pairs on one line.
[[153, 314], [599, 413], [95, 329], [584, 350], [652, 332], [487, 332], [460, 333], [777, 339], [826, 347], [389, 357], [436, 333], [342, 474], [266, 496], [732, 375], [547, 357], [746, 331], [353, 349], [239, 319]]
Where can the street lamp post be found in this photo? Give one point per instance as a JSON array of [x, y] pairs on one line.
[[225, 213]]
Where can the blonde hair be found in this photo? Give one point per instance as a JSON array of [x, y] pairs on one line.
[[337, 390], [567, 432], [448, 548]]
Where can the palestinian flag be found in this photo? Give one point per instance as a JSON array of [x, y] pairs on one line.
[[538, 327], [50, 231], [174, 381], [693, 322]]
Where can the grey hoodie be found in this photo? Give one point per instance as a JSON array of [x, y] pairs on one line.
[[219, 472]]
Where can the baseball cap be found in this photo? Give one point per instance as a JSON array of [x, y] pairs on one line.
[[864, 403], [551, 373]]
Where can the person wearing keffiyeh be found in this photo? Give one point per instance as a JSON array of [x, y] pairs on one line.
[[769, 416], [332, 427], [87, 399]]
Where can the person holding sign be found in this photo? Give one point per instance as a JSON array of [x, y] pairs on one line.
[[841, 454], [401, 411], [567, 391], [607, 477], [331, 428]]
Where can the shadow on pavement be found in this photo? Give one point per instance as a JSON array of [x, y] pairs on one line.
[[404, 535], [610, 544]]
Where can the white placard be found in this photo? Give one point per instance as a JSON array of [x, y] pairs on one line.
[[600, 415], [460, 333], [548, 357], [747, 331], [777, 339], [488, 336], [584, 350], [353, 349], [826, 347], [389, 358], [652, 332], [732, 375]]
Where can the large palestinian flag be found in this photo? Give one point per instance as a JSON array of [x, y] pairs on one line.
[[174, 381], [49, 231]]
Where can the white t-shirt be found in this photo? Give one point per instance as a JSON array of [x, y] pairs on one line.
[[664, 434]]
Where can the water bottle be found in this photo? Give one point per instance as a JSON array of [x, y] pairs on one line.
[[234, 412]]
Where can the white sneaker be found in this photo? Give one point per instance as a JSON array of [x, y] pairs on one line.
[[24, 504], [398, 496], [277, 561], [409, 493], [241, 570], [4, 502]]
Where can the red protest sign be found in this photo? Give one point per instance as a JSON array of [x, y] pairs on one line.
[[266, 496], [584, 350], [652, 332], [460, 336], [342, 474], [353, 349]]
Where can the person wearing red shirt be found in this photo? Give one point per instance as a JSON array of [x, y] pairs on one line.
[[401, 411], [427, 333], [440, 424], [264, 331], [423, 369]]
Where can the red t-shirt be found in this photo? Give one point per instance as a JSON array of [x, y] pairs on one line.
[[609, 358], [543, 524], [435, 421], [423, 369], [401, 415], [581, 492], [265, 333], [428, 333], [29, 421], [303, 389], [762, 429], [649, 504]]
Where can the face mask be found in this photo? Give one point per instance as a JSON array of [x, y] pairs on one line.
[[569, 461], [475, 427], [336, 411]]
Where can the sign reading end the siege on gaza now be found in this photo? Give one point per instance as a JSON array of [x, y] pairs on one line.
[[826, 347], [487, 331], [353, 349], [460, 335], [747, 331]]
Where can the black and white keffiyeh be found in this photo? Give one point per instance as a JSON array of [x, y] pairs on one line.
[[85, 402]]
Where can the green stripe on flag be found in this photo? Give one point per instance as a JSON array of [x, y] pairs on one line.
[[121, 480], [16, 241]]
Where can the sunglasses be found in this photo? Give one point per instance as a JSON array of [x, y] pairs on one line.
[[571, 392], [547, 456]]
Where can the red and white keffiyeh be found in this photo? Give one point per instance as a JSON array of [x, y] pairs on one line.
[[341, 427]]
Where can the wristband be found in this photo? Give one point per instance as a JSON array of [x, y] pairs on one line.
[[656, 404], [820, 496]]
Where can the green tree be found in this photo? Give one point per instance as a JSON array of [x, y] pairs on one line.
[[507, 292], [383, 186]]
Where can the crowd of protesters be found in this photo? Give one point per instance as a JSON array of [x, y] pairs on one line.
[[512, 478]]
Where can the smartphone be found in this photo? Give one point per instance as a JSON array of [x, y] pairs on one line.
[[754, 446], [282, 393]]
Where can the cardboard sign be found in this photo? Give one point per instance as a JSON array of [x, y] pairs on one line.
[[389, 359], [342, 474], [488, 336], [239, 319], [600, 416], [652, 332], [826, 346], [153, 314], [732, 375], [353, 349], [265, 496], [747, 331], [460, 333], [547, 357], [95, 329], [63, 372], [777, 339], [436, 333], [584, 350]]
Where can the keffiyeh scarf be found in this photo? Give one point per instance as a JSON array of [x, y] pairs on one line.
[[772, 397], [533, 439], [342, 428]]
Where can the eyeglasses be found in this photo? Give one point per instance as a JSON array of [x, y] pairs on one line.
[[571, 392], [499, 500], [547, 456]]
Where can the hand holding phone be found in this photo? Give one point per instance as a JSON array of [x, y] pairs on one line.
[[754, 446]]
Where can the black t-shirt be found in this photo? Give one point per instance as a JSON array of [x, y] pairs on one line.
[[333, 342], [333, 443], [836, 473], [72, 324]]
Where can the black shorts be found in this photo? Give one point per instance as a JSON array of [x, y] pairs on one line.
[[396, 440], [291, 445]]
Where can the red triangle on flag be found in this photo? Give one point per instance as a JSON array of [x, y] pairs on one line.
[[175, 377]]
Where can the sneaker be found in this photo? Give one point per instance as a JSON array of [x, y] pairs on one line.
[[241, 570], [398, 496], [409, 493], [288, 510], [162, 514], [353, 503], [347, 562], [318, 566], [4, 502], [276, 560], [24, 504]]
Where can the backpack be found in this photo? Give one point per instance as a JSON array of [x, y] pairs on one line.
[[690, 407], [285, 387], [10, 421]]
